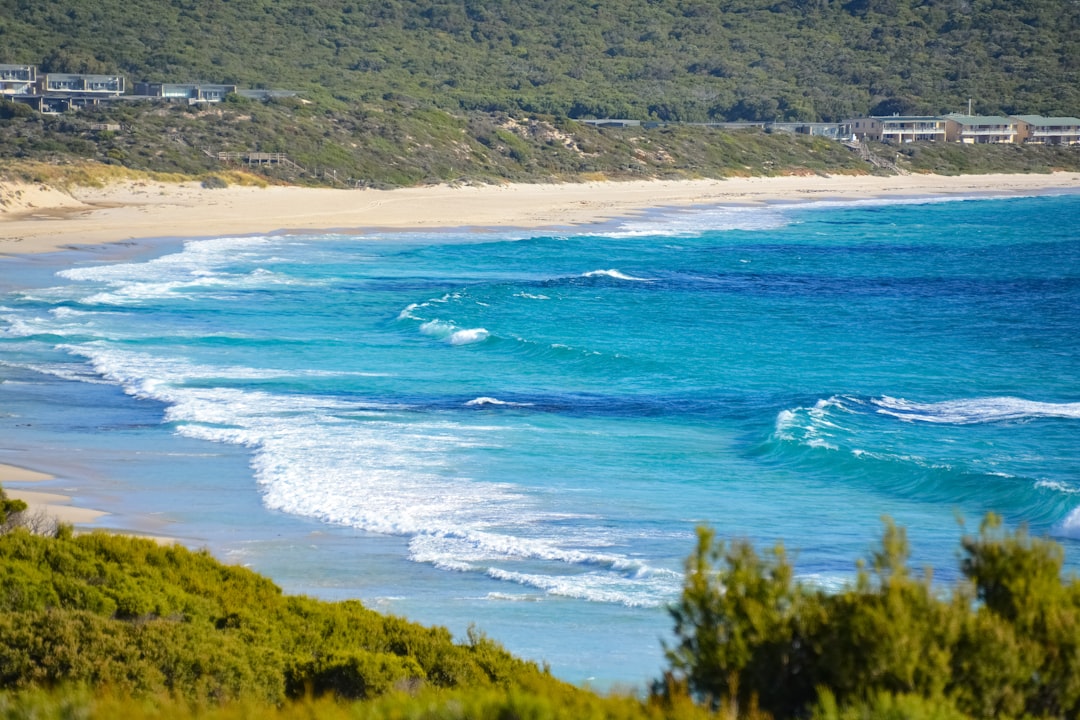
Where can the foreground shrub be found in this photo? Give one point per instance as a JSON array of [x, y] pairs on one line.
[[142, 619], [1003, 643]]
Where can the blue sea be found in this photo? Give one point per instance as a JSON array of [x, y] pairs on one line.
[[521, 430]]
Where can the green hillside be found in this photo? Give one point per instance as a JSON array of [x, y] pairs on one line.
[[400, 92], [686, 60]]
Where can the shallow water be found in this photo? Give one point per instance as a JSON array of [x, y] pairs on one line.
[[523, 429]]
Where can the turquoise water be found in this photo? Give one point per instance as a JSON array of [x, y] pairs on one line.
[[522, 429]]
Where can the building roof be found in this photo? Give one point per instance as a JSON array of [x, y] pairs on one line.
[[979, 119], [908, 118], [1040, 121]]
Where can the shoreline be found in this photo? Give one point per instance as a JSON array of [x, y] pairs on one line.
[[36, 219], [54, 505], [125, 217], [59, 507]]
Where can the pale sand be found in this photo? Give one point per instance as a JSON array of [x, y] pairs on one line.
[[58, 506], [53, 504], [38, 219]]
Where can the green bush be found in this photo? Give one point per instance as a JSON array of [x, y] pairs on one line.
[[1004, 643], [128, 613]]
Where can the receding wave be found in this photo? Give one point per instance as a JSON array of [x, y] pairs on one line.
[[691, 222]]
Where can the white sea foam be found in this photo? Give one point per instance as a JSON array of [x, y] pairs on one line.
[[975, 410], [615, 275], [365, 465], [512, 597], [198, 256], [1070, 526], [452, 334], [1058, 486], [481, 401], [595, 587], [201, 264], [696, 221], [814, 425], [531, 296], [469, 336]]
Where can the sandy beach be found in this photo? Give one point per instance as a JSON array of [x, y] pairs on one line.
[[39, 219], [53, 504]]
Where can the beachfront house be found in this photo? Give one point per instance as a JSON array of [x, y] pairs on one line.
[[189, 92], [1039, 130], [899, 128], [865, 128], [911, 128], [17, 79], [978, 129]]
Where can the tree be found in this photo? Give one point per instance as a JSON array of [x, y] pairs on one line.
[[735, 626]]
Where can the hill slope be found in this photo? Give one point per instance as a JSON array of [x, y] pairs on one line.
[[670, 59], [408, 91]]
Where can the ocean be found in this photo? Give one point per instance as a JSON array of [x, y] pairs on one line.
[[520, 430]]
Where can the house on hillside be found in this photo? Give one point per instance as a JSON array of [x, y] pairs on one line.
[[260, 94], [17, 79], [83, 85], [978, 129], [1039, 130], [191, 92], [611, 122]]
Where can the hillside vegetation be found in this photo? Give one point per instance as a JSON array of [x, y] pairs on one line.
[[403, 92], [684, 60]]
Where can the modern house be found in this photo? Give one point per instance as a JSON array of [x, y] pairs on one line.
[[259, 94], [977, 129], [85, 85], [191, 92], [1039, 130], [17, 79], [816, 129], [611, 122]]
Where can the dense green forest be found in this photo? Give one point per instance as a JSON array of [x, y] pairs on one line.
[[103, 626], [687, 60], [402, 92]]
